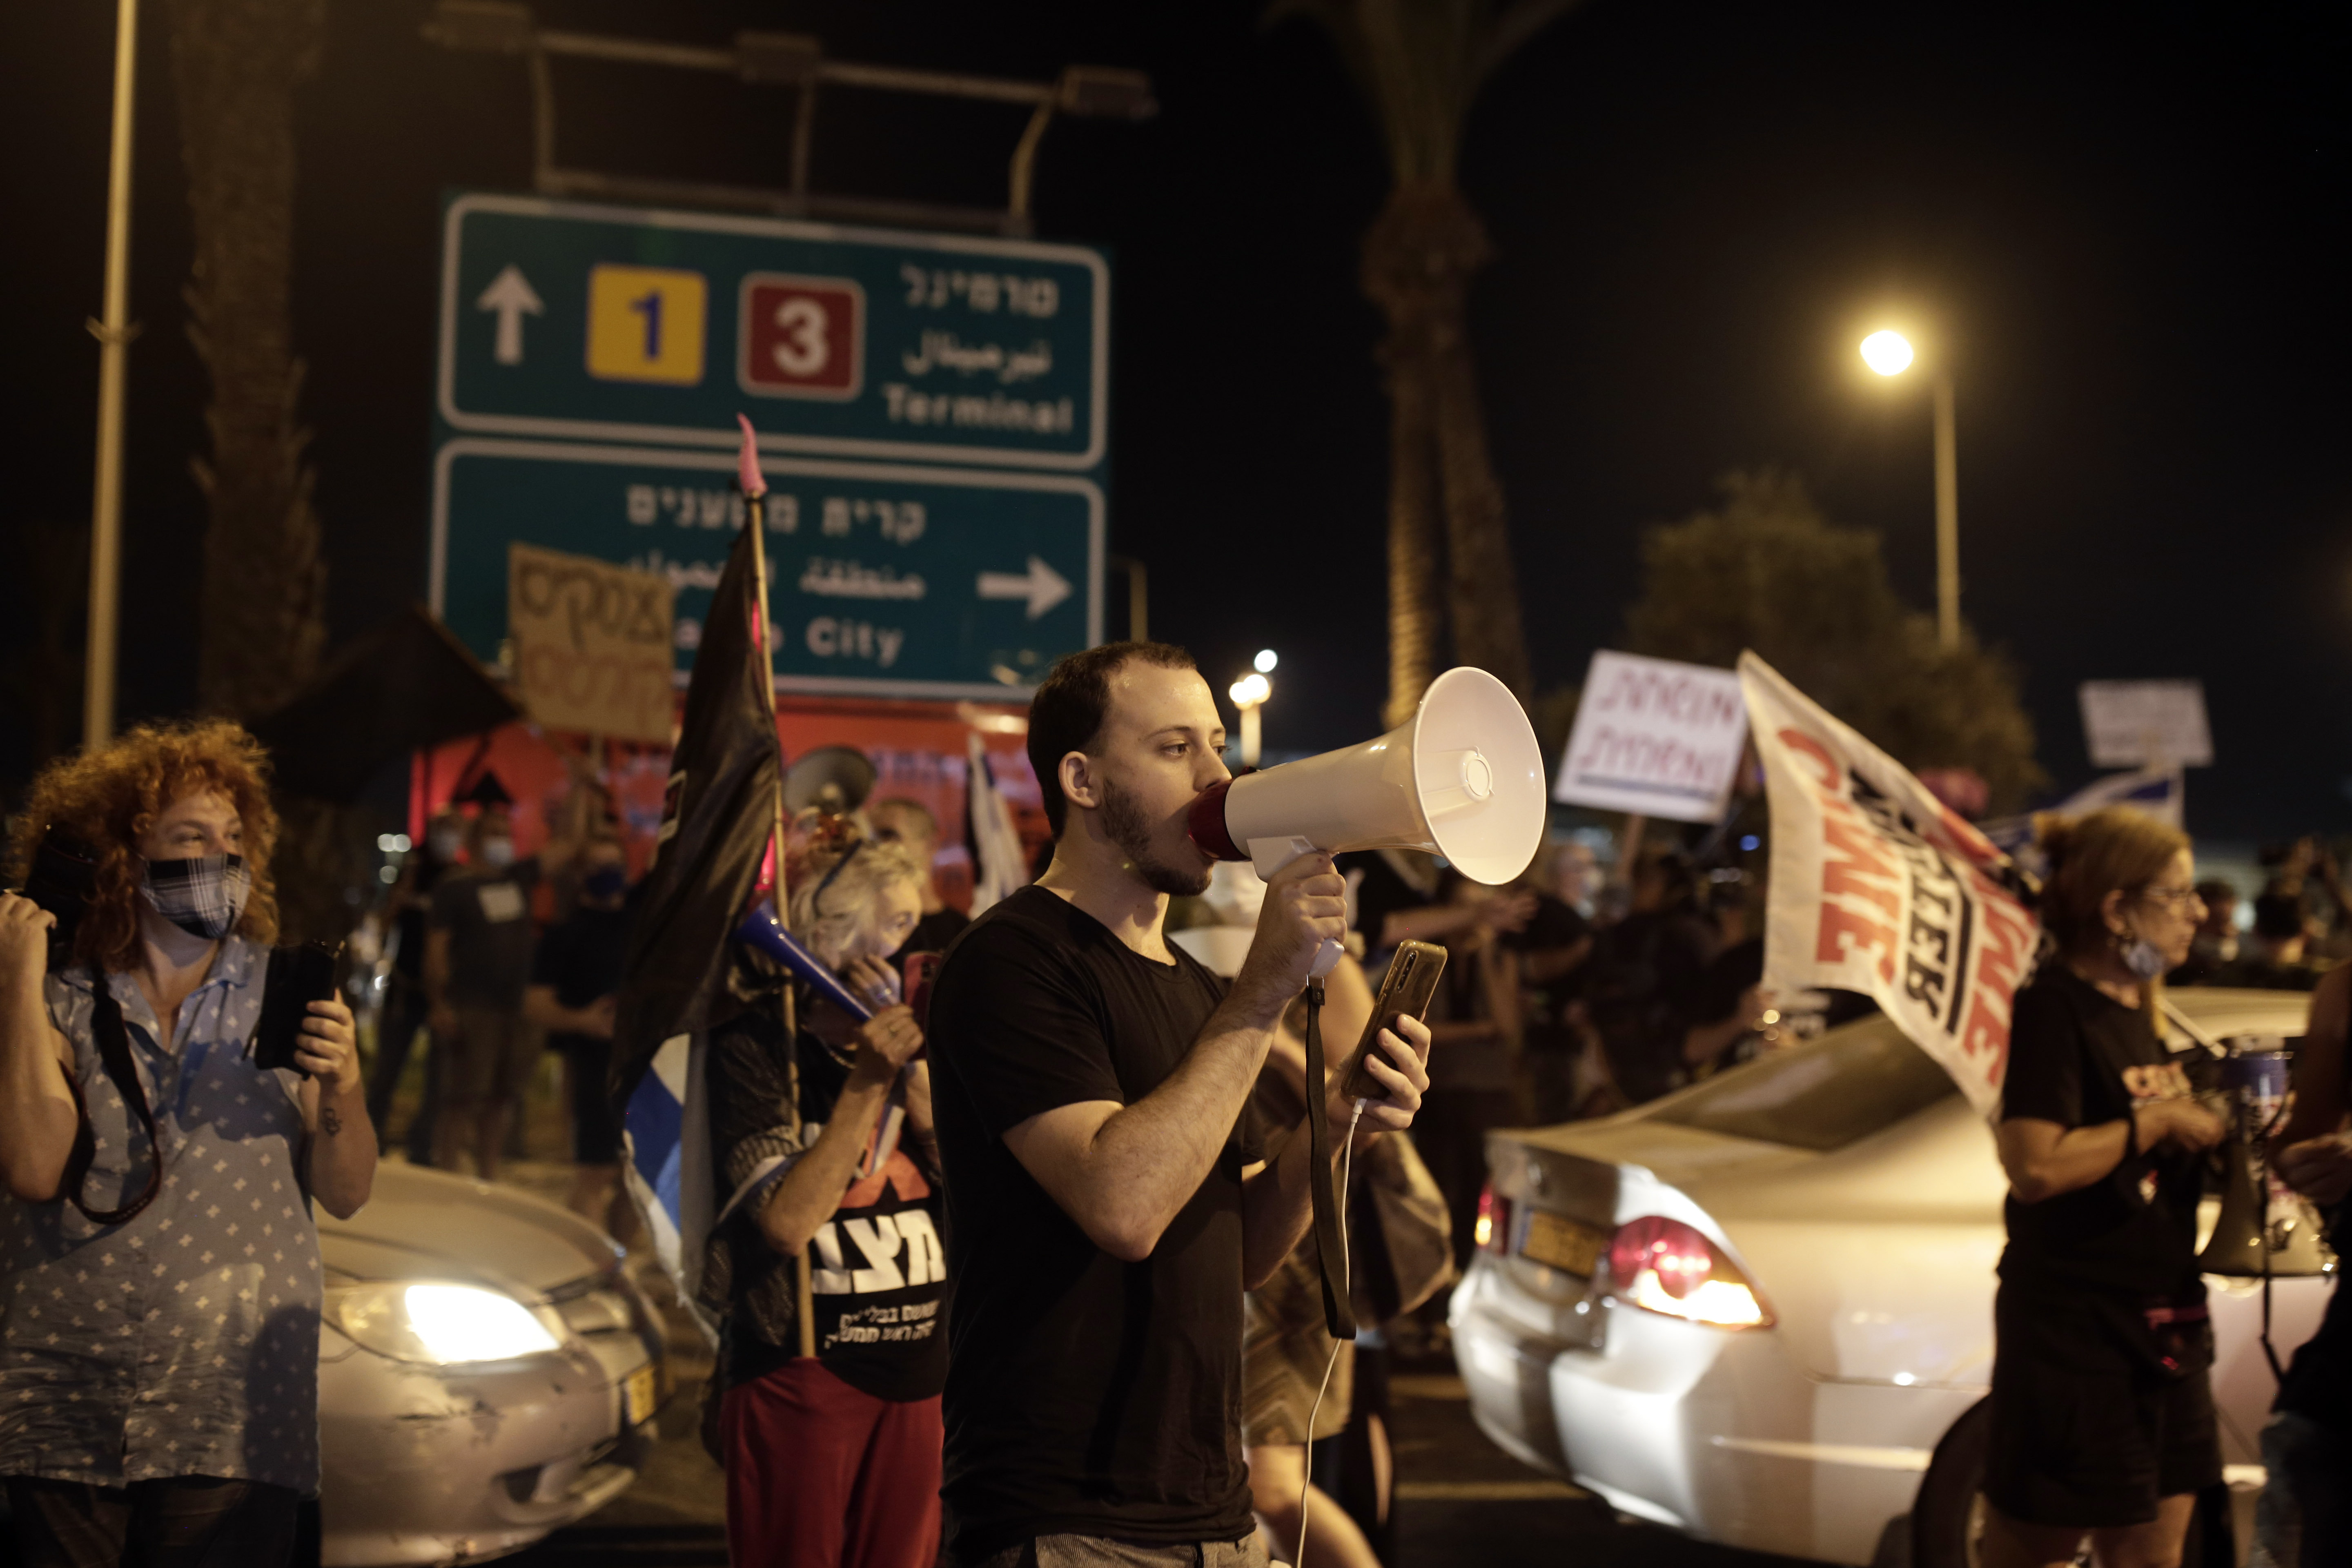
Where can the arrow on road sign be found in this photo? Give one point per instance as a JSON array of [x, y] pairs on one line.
[[1042, 586], [509, 294]]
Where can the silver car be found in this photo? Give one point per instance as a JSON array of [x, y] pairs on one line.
[[486, 1373], [1799, 1364]]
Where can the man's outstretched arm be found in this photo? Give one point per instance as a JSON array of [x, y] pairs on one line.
[[1123, 1172]]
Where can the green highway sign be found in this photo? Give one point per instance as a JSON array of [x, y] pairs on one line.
[[884, 579], [637, 326]]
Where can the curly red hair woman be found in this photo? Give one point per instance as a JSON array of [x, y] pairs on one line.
[[157, 1173], [110, 799]]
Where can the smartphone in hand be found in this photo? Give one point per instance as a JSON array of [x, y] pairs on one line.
[[297, 977], [1406, 992]]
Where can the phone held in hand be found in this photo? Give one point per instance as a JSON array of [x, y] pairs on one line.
[[1406, 992], [297, 977], [922, 968]]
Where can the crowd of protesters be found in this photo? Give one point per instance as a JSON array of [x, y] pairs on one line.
[[920, 1304]]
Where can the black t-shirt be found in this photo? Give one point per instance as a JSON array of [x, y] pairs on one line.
[[2319, 1381], [2080, 1058], [931, 934], [581, 957], [1382, 892], [1084, 1395], [409, 963], [878, 1273]]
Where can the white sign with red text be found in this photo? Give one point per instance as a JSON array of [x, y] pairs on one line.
[[1878, 887], [1655, 737]]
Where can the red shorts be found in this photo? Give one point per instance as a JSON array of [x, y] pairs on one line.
[[820, 1474]]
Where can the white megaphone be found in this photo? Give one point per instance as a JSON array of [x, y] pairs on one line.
[[1463, 778]]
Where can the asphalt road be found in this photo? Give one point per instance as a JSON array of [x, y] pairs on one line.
[[1461, 1503]]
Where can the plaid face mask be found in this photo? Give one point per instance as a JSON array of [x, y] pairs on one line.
[[203, 896]]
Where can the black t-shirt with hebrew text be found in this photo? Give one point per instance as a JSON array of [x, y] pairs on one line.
[[2079, 1057], [1084, 1395]]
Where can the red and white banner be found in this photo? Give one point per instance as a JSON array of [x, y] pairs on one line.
[[1878, 887]]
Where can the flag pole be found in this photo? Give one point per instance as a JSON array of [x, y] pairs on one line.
[[755, 510]]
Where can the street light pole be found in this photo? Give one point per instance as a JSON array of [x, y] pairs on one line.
[[1947, 519], [113, 333], [1889, 354]]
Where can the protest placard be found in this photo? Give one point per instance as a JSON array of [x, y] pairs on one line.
[[592, 644], [1878, 887], [2145, 724], [1654, 737]]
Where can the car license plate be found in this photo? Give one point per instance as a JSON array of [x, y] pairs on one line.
[[640, 1395], [1563, 1243]]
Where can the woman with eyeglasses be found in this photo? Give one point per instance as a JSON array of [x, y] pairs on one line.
[[2102, 1421], [835, 1458]]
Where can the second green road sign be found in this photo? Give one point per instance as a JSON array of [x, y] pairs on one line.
[[882, 579], [933, 408]]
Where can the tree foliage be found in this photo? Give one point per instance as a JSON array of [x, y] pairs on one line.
[[1768, 570]]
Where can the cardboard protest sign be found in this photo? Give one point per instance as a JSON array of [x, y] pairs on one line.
[[592, 644], [1654, 736], [2145, 724], [1878, 887]]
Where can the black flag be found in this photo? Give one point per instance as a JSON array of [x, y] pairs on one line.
[[716, 819]]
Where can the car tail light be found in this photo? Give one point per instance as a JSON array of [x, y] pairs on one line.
[[1665, 1266], [1492, 1232]]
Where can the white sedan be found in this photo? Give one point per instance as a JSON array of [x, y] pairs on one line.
[[1811, 1380], [486, 1373]]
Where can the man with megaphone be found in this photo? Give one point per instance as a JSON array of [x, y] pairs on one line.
[[1109, 1199]]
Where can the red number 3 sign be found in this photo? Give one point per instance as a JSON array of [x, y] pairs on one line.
[[802, 337]]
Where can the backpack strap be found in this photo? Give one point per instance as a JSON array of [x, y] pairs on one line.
[[113, 1040]]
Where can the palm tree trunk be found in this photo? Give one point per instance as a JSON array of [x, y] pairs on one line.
[[1483, 584], [1392, 281], [1415, 620], [235, 64], [1419, 257]]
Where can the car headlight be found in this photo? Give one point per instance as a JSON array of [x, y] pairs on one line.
[[439, 1325]]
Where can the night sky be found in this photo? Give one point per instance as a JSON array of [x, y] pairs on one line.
[[2125, 227]]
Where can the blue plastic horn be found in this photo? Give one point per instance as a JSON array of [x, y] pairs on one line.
[[761, 931]]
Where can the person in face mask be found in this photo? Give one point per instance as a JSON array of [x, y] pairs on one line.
[[405, 1007], [2102, 1419], [574, 981], [831, 1460], [174, 1206], [477, 949]]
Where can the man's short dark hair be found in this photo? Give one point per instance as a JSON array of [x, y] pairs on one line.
[[1067, 712], [2278, 917]]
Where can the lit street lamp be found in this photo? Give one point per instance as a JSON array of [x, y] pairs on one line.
[[1249, 694], [1889, 354]]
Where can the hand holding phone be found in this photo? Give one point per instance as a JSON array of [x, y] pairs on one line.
[[1406, 991], [297, 977]]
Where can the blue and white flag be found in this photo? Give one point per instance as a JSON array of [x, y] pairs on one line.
[[2156, 791]]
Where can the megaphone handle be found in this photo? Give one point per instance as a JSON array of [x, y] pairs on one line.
[[1269, 855]]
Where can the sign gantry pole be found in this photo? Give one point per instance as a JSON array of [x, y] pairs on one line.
[[114, 332], [755, 491]]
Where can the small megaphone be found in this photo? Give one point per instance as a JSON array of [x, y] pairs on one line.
[[1464, 778], [833, 779], [2264, 1227]]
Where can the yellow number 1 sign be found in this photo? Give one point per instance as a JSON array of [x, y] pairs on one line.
[[645, 323]]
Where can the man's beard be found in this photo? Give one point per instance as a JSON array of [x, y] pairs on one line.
[[1124, 820]]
